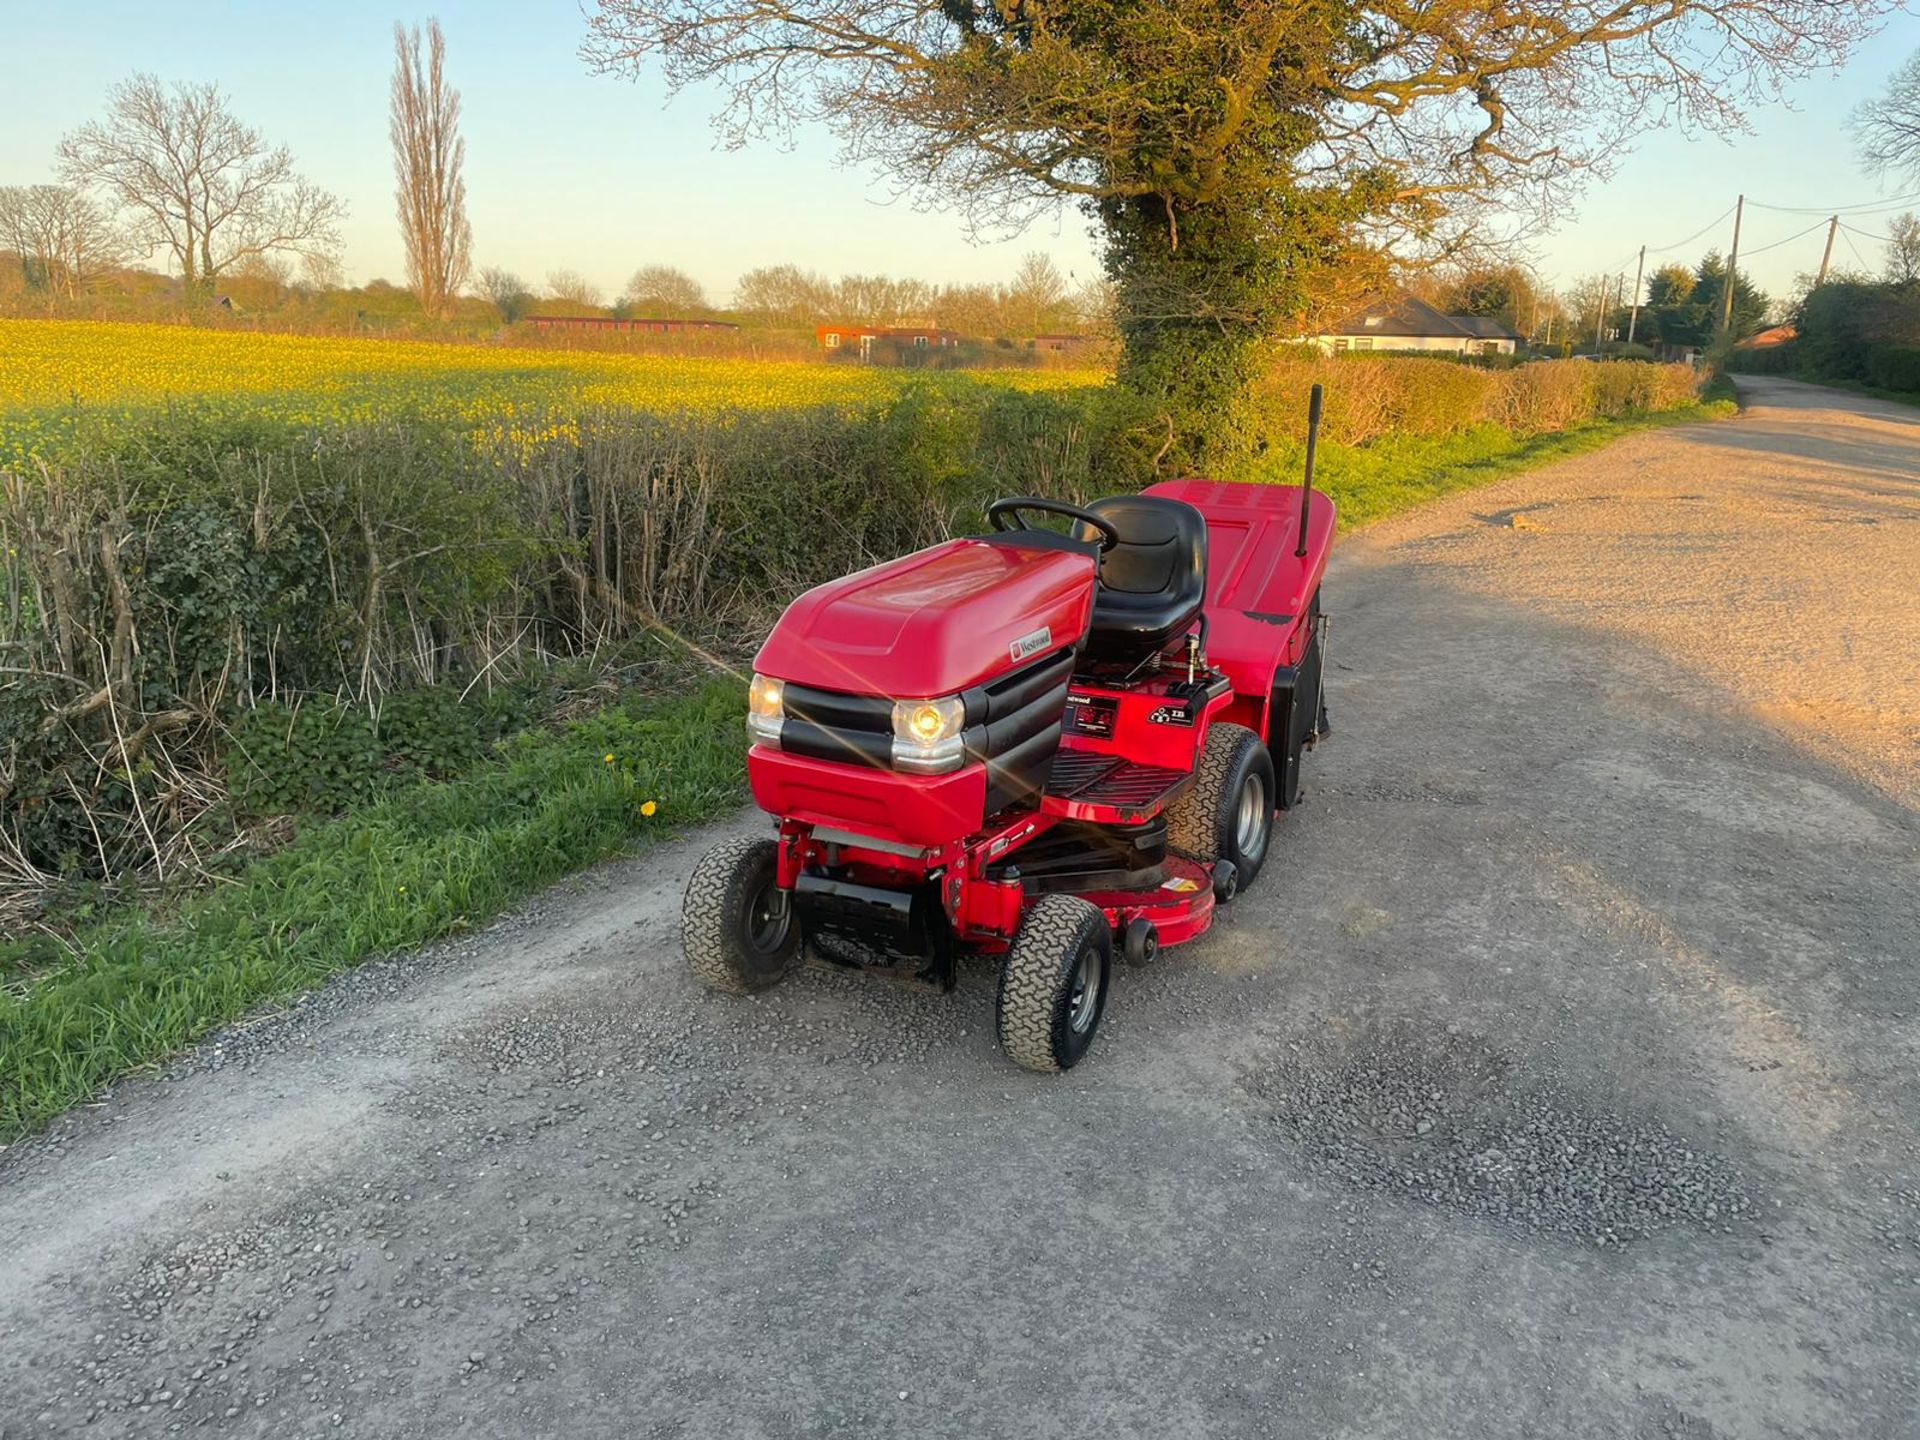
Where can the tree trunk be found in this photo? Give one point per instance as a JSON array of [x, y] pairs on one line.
[[1204, 291], [1193, 313]]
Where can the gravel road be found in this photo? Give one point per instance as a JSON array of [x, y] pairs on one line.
[[1558, 1078]]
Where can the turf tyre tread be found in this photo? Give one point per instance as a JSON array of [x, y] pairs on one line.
[[1032, 1013], [1194, 825], [718, 891]]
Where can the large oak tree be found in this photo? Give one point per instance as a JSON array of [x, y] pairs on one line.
[[1236, 154]]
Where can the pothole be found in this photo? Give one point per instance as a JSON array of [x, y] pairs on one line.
[[1439, 1117]]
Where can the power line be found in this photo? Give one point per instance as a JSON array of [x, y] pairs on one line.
[[1865, 235], [1662, 249], [1762, 249], [1828, 213], [1860, 207], [1856, 250]]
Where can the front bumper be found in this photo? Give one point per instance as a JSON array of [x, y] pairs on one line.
[[925, 811]]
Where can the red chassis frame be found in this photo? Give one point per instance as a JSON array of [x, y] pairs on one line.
[[895, 831]]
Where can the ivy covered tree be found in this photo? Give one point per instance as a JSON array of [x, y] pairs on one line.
[[1235, 154]]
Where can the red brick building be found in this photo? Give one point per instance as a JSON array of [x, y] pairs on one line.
[[884, 341]]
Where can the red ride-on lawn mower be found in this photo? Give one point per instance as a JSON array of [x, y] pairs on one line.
[[1031, 744]]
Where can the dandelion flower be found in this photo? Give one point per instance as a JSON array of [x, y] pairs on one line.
[[647, 807]]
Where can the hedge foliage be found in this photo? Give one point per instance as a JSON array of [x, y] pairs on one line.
[[203, 620], [1854, 331]]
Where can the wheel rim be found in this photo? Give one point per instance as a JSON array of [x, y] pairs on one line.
[[1088, 982], [1250, 821], [765, 925]]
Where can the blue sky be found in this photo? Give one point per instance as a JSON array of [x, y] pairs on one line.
[[571, 170]]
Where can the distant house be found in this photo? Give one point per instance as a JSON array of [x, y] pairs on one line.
[[607, 322], [1768, 339], [888, 342], [1058, 344], [1395, 320]]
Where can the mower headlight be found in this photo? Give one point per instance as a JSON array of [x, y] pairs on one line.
[[926, 735], [766, 709]]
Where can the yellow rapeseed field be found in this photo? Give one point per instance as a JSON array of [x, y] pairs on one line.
[[60, 377]]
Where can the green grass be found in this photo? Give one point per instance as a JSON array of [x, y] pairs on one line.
[[1371, 482], [422, 863], [430, 859]]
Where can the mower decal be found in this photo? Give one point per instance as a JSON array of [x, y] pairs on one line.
[[1031, 643], [1171, 715], [1180, 885]]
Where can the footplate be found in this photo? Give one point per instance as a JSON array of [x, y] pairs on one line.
[[1109, 789]]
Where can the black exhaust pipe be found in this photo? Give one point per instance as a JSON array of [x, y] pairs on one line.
[[1306, 481]]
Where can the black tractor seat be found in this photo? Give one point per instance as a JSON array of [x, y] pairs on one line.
[[1153, 583]]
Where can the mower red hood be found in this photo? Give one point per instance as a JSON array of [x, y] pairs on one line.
[[934, 622]]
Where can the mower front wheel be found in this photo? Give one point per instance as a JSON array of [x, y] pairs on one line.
[[1053, 983], [1227, 813], [738, 930]]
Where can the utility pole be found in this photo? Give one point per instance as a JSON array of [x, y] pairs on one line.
[[1639, 272], [1600, 316], [1826, 256], [1733, 270]]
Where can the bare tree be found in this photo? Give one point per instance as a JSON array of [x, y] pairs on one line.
[[64, 240], [428, 159], [1236, 154], [972, 309], [506, 292], [320, 272], [1903, 249], [1091, 307], [1035, 298], [199, 183], [881, 299], [1589, 303], [574, 288], [784, 295], [1887, 128], [664, 291]]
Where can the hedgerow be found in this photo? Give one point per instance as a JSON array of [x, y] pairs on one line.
[[209, 618]]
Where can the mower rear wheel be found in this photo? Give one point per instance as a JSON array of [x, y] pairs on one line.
[[1053, 983], [1227, 813], [738, 930]]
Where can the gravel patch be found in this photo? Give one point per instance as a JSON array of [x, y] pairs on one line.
[[1440, 1118]]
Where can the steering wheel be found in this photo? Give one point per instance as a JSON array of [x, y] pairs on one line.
[[1005, 515]]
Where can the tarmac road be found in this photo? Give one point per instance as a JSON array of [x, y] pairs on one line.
[[1557, 1079]]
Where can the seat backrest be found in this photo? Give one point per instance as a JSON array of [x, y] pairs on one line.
[[1162, 549], [1153, 583]]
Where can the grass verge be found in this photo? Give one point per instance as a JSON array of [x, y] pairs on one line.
[[425, 862]]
